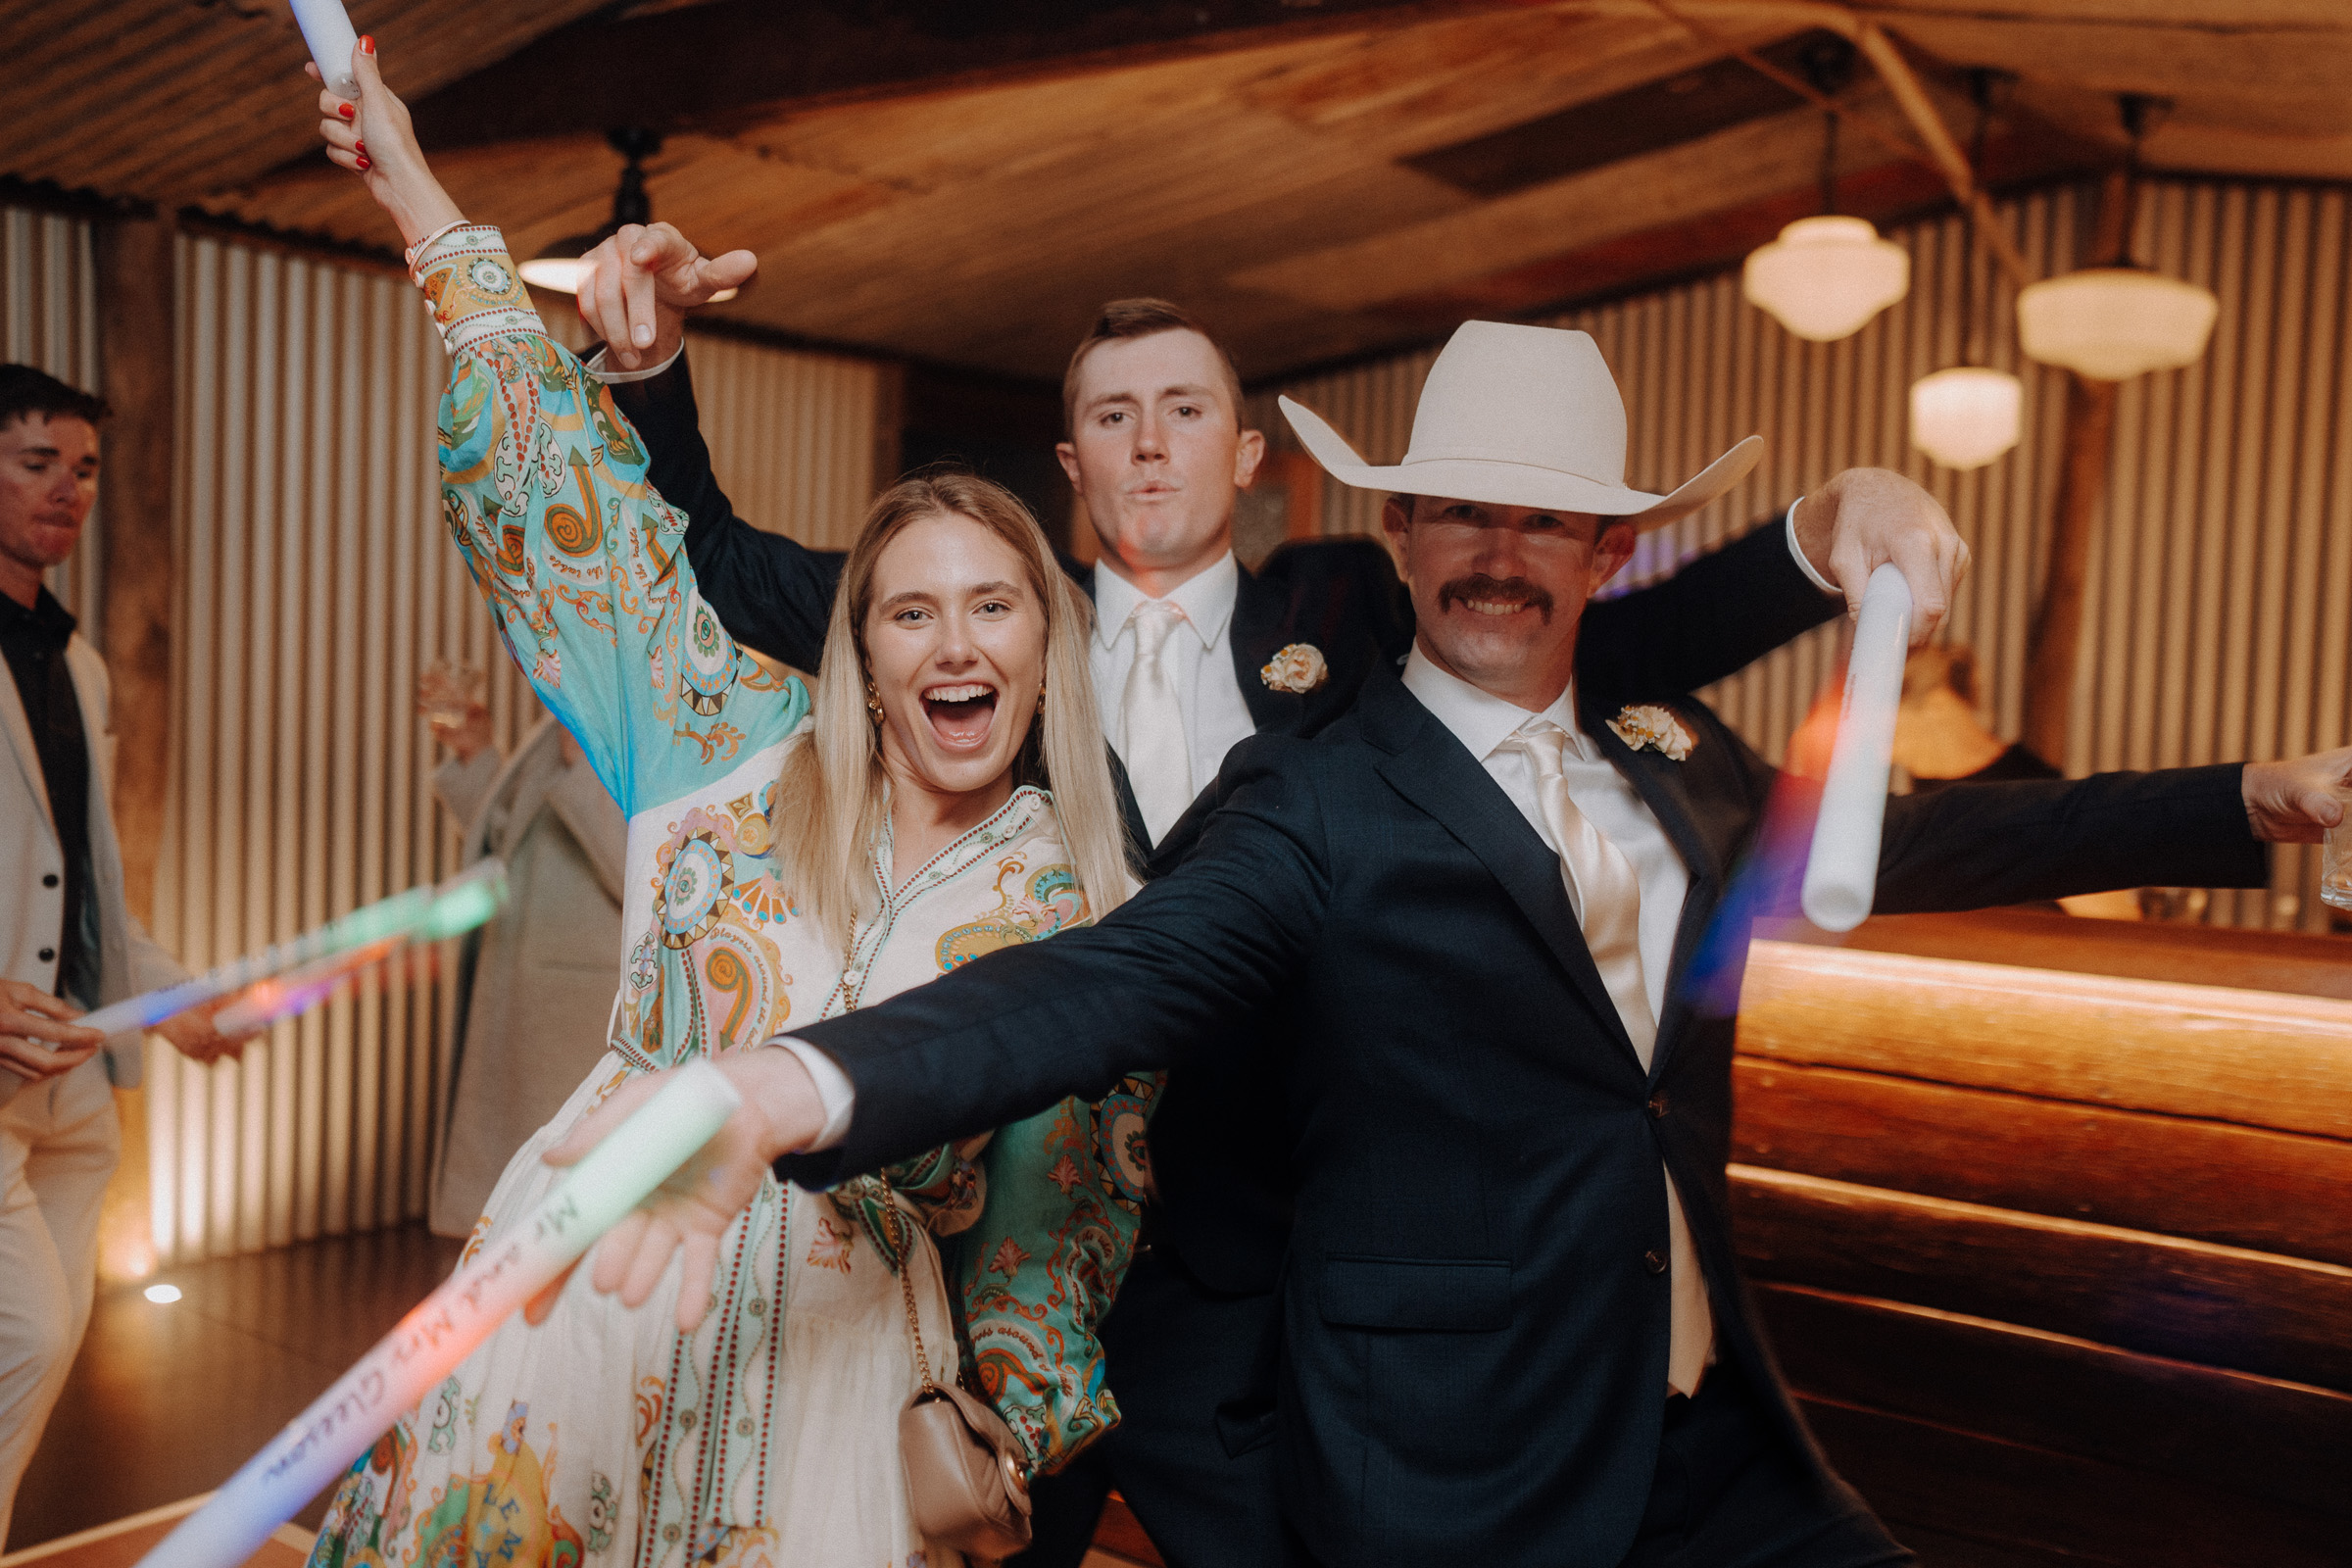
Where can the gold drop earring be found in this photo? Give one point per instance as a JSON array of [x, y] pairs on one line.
[[873, 701], [1041, 699]]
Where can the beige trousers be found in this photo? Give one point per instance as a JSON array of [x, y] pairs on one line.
[[59, 1143]]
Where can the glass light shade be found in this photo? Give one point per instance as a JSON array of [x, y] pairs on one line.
[[1967, 416], [2115, 323], [1825, 278]]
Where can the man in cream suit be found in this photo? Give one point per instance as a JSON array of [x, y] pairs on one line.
[[67, 943], [536, 984]]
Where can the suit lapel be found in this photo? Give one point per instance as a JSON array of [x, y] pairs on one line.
[[1664, 788], [1434, 773], [19, 740], [1258, 631]]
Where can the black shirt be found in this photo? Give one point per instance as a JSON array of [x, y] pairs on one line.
[[34, 642]]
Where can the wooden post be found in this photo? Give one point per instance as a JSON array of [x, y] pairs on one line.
[[2056, 637], [136, 336]]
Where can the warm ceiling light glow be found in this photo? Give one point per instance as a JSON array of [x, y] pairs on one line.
[[1825, 278], [2115, 323], [562, 274], [1967, 416], [162, 1295]]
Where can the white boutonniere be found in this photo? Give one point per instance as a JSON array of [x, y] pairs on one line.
[[1300, 668], [1654, 728]]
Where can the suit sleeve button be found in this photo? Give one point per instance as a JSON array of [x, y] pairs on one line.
[[48, 954], [1657, 1106], [1655, 1260], [50, 880]]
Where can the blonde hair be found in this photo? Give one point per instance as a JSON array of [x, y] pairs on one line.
[[833, 797]]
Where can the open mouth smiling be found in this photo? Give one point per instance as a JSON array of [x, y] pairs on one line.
[[960, 714]]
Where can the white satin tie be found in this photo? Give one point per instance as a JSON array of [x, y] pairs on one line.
[[1606, 894], [1152, 741]]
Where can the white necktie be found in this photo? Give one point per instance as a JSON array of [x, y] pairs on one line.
[[1159, 763], [1606, 895]]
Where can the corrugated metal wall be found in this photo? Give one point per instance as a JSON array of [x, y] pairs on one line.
[[315, 586], [49, 320], [2220, 617]]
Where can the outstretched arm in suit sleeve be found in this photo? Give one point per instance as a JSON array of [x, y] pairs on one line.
[[772, 593], [1718, 615], [1170, 974]]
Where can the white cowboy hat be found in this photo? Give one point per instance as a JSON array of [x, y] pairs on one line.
[[1521, 416]]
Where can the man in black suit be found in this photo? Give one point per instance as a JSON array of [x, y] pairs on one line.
[[1512, 1327], [1156, 448]]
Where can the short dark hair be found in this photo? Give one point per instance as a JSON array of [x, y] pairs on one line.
[[25, 391], [1124, 320]]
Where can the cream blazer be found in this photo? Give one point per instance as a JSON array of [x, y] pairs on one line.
[[32, 909]]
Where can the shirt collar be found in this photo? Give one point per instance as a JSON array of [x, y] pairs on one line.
[[47, 623], [1477, 719], [1205, 598]]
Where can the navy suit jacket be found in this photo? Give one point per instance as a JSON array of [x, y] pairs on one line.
[[1216, 1139], [1475, 1312]]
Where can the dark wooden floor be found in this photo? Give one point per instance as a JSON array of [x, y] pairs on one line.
[[167, 1401]]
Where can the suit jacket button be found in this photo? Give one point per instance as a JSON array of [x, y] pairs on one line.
[[1657, 1106], [1655, 1260], [48, 954], [50, 880]]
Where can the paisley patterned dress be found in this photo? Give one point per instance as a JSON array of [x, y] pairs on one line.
[[769, 1436]]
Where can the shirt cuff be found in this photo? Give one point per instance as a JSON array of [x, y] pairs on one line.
[[595, 367], [834, 1091], [1802, 565]]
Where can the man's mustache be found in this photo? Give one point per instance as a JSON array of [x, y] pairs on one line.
[[1496, 591]]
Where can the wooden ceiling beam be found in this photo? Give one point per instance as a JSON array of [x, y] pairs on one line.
[[734, 61]]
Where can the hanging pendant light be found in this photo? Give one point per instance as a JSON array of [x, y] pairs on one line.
[[561, 267], [1825, 278], [1967, 416], [2118, 321]]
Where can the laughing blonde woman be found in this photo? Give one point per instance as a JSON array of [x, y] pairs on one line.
[[944, 795]]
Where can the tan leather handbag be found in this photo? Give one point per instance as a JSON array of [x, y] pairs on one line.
[[967, 1475]]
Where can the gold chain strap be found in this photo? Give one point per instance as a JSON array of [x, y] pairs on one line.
[[904, 1243]]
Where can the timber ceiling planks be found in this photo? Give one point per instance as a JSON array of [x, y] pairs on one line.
[[1319, 184]]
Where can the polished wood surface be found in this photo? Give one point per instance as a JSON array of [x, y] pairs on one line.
[[165, 1401], [2056, 1249]]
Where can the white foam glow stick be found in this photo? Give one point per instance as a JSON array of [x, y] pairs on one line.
[[421, 914], [326, 28], [1841, 874], [515, 1265]]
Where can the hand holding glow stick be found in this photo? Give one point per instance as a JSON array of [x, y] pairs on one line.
[[327, 29], [1841, 874], [445, 1328]]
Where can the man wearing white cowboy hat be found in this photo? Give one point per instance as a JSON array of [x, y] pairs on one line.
[[1462, 920]]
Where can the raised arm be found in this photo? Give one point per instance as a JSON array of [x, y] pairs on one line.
[[1725, 610], [772, 593]]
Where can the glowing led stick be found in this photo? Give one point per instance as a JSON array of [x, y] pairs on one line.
[[327, 29], [424, 914], [427, 1345], [1842, 875]]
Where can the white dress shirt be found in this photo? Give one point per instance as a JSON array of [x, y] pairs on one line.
[[1483, 722], [1200, 655]]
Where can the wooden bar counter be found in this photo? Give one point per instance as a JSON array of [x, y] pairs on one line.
[[2052, 1221]]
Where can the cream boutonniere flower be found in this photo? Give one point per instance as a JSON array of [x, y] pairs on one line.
[[1300, 668], [1654, 728]]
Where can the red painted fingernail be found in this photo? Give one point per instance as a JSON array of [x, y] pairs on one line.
[[359, 147], [365, 164], [367, 43], [345, 109]]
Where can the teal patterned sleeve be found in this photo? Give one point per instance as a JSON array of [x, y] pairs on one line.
[[544, 487], [1038, 1270]]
